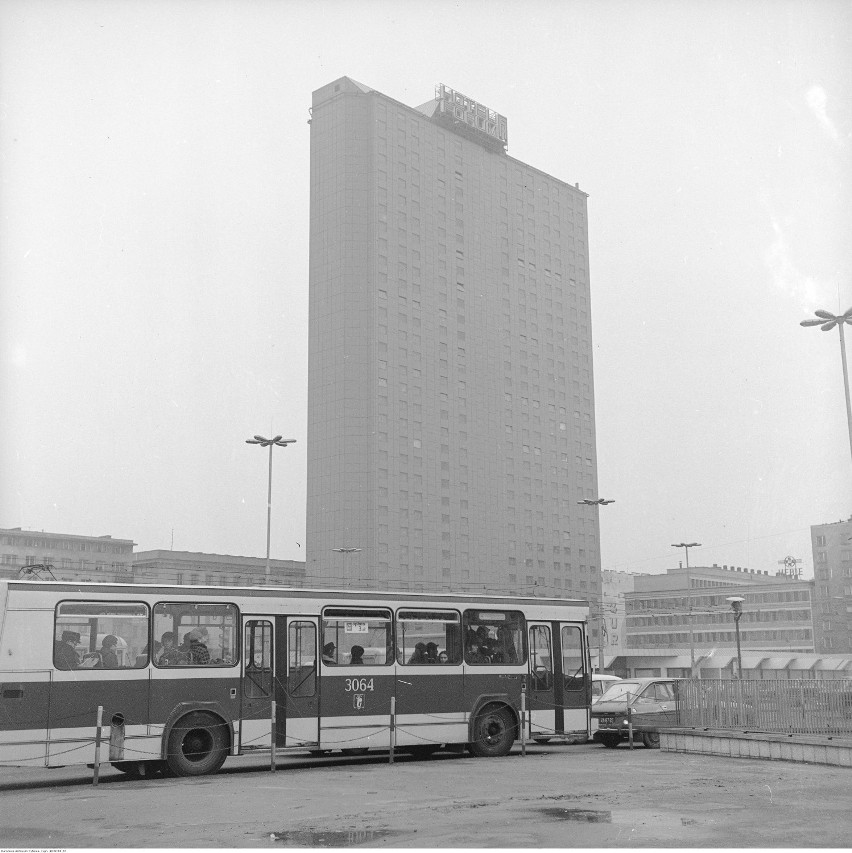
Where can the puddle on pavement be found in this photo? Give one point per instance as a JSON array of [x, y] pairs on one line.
[[623, 817], [580, 815], [331, 837]]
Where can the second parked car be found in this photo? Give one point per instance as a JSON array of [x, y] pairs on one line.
[[652, 705]]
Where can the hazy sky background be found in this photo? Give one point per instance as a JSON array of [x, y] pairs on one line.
[[154, 209]]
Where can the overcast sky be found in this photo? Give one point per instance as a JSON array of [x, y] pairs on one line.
[[154, 208]]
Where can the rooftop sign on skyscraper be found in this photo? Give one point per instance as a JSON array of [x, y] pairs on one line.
[[467, 116]]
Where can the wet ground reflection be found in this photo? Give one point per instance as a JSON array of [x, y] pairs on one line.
[[581, 815], [331, 837]]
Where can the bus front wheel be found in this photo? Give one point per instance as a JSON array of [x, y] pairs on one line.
[[197, 745], [493, 733]]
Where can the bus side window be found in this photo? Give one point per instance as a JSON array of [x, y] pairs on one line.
[[100, 635], [494, 637], [202, 634], [428, 637]]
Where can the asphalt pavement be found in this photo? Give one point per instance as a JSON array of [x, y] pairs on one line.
[[556, 796]]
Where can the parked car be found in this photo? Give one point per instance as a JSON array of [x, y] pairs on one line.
[[652, 706], [600, 682]]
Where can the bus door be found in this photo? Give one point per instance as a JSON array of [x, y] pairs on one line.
[[429, 679], [543, 711], [258, 682], [296, 684], [576, 678]]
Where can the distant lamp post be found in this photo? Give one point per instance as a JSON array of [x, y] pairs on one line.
[[737, 606], [602, 617], [686, 546], [827, 321], [270, 443]]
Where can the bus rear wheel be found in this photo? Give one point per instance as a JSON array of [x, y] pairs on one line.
[[197, 745], [493, 733], [610, 741]]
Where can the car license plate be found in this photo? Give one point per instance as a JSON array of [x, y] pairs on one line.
[[606, 721]]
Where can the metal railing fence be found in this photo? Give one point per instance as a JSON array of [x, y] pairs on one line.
[[800, 707]]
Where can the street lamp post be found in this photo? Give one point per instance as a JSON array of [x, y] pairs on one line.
[[270, 443], [601, 617], [686, 546], [827, 321], [737, 606]]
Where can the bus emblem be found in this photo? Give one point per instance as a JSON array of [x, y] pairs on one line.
[[358, 701]]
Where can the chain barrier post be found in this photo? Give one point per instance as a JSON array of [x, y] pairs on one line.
[[392, 730], [272, 735], [523, 719], [630, 726], [98, 728]]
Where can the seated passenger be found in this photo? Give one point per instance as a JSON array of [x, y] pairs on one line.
[[475, 655], [443, 657], [356, 655], [171, 654], [64, 654], [507, 645], [419, 655], [431, 653], [142, 657], [108, 659], [198, 653], [328, 654]]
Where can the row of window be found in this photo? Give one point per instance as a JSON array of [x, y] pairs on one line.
[[668, 640], [719, 618], [716, 600], [65, 545], [106, 635]]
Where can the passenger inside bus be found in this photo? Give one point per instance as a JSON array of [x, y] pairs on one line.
[[198, 652], [108, 659], [419, 655], [431, 653], [356, 655], [443, 657], [171, 654], [475, 654], [64, 654], [142, 657], [328, 654]]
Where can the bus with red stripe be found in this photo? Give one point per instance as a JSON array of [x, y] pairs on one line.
[[183, 677]]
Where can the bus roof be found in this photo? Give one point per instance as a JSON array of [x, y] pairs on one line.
[[290, 592]]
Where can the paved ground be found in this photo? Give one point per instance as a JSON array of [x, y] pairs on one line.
[[557, 796]]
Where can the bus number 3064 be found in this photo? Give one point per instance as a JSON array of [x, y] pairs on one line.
[[358, 685]]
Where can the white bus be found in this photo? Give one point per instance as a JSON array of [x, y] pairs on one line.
[[186, 676]]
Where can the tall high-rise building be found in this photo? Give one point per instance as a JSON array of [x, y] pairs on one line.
[[832, 551], [450, 406]]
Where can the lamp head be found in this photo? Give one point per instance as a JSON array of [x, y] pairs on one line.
[[736, 603]]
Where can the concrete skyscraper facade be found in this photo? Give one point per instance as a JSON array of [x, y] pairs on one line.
[[450, 403]]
